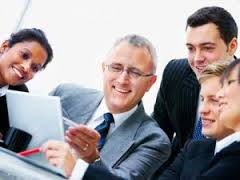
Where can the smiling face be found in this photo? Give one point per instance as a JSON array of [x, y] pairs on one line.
[[229, 100], [205, 46], [21, 62], [122, 92], [211, 126]]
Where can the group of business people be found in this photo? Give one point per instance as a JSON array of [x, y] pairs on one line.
[[215, 157], [115, 138], [211, 35]]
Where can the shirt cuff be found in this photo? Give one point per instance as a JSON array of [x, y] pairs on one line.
[[79, 170]]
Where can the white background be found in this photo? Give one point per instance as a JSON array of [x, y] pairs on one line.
[[81, 33]]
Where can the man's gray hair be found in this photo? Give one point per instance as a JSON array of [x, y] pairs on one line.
[[140, 42]]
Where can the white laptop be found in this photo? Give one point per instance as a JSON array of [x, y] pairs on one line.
[[41, 116]]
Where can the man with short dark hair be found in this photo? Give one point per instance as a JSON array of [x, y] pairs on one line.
[[211, 35]]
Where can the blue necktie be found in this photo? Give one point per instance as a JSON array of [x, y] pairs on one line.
[[197, 133], [103, 129]]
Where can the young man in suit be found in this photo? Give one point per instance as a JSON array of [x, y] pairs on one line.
[[220, 159], [211, 35], [196, 155], [225, 163], [135, 146]]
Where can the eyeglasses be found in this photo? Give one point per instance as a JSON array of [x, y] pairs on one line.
[[133, 72]]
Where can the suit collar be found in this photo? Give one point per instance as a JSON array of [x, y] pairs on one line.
[[87, 112], [231, 150], [122, 139], [118, 118], [227, 141]]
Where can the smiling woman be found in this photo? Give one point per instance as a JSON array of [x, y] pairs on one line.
[[24, 54]]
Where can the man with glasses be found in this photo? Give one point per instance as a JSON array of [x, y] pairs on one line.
[[126, 141]]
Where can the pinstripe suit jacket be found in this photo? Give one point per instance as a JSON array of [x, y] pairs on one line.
[[176, 104]]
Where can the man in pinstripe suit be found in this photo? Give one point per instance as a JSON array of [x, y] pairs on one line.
[[211, 35]]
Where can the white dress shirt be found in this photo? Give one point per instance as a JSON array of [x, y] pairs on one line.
[[226, 141], [97, 118]]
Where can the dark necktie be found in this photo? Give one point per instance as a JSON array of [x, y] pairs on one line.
[[103, 129], [197, 133]]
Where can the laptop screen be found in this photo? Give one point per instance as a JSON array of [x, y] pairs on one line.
[[41, 116]]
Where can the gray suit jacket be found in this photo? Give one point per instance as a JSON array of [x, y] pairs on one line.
[[135, 149]]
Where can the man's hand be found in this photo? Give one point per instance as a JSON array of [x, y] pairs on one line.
[[59, 154], [84, 141]]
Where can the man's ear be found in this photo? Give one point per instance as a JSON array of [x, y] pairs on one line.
[[4, 46], [232, 47], [151, 82]]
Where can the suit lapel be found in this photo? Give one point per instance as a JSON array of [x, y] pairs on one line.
[[121, 142], [86, 116], [190, 94]]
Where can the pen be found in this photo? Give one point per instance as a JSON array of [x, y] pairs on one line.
[[69, 122], [30, 152]]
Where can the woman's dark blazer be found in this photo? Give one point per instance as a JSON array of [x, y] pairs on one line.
[[4, 124]]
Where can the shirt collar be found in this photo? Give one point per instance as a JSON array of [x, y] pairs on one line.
[[118, 118], [3, 90], [227, 141]]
